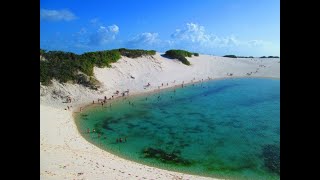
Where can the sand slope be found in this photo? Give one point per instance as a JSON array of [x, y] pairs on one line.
[[64, 154]]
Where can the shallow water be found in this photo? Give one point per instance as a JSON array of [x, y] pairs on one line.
[[223, 128]]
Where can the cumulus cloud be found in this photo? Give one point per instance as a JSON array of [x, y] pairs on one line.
[[145, 38], [56, 15], [104, 35], [191, 32], [196, 34]]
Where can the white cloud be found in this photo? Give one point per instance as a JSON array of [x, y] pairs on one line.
[[56, 15], [104, 35], [195, 34], [113, 28], [144, 38], [191, 32]]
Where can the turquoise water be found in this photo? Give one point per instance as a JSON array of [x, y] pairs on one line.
[[223, 128]]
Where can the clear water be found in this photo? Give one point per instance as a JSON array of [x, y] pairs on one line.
[[223, 128]]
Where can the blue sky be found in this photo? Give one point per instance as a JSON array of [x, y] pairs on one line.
[[218, 27]]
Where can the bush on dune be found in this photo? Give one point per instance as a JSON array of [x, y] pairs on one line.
[[230, 56], [134, 53], [74, 68], [180, 55]]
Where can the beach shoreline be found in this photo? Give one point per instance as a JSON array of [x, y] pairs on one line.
[[64, 153], [154, 91]]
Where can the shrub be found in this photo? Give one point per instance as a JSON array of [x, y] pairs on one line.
[[230, 56], [180, 55], [196, 54], [134, 53]]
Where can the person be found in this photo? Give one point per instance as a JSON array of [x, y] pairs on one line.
[[120, 140], [68, 107], [94, 130], [105, 97], [117, 140], [93, 102], [167, 84], [161, 84], [125, 139]]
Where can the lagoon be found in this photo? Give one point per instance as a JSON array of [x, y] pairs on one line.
[[222, 128]]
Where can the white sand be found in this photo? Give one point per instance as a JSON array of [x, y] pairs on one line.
[[63, 151]]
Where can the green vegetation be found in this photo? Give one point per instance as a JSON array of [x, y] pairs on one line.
[[74, 68], [196, 54], [134, 53], [42, 51], [180, 55], [270, 57], [230, 56]]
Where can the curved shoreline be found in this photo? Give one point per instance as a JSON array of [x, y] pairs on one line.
[[151, 92]]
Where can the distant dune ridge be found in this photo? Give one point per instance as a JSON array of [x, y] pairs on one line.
[[65, 154]]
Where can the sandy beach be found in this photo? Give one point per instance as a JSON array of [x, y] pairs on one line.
[[65, 154]]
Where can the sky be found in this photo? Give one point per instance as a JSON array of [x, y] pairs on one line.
[[215, 27]]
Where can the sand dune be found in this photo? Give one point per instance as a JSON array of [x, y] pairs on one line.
[[64, 154]]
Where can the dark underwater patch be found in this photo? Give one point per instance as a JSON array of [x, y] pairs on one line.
[[271, 157], [165, 157]]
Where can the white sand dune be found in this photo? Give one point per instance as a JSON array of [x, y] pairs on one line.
[[64, 154]]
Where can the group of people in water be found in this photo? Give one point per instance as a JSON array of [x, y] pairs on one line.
[[118, 140]]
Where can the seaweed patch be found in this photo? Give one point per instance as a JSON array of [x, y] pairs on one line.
[[271, 157], [165, 157]]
